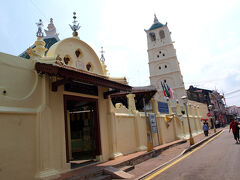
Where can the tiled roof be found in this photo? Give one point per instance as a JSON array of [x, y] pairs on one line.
[[156, 25]]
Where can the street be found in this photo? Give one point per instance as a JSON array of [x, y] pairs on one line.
[[219, 159]]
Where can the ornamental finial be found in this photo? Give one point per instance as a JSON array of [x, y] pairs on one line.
[[102, 55], [155, 19], [75, 25], [40, 26]]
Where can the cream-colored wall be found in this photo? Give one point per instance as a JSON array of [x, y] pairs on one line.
[[18, 115], [126, 128], [69, 46], [135, 134], [18, 148], [167, 132], [104, 124], [202, 107], [142, 129]]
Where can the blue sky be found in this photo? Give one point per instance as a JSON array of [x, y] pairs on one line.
[[206, 35]]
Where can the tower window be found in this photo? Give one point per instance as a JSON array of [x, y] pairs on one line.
[[158, 56], [162, 34], [159, 67], [152, 36], [165, 80], [160, 52], [163, 54], [165, 66]]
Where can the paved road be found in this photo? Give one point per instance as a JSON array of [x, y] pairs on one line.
[[219, 159]]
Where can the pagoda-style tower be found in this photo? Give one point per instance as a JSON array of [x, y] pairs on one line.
[[163, 63], [39, 50]]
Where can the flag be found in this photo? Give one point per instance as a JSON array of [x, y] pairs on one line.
[[166, 90], [163, 89], [170, 91]]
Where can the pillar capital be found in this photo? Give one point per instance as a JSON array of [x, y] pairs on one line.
[[131, 102]]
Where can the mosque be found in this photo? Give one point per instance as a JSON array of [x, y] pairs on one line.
[[59, 106]]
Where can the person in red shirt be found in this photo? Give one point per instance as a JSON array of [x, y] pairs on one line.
[[235, 129]]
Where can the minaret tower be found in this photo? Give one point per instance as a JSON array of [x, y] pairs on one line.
[[163, 63]]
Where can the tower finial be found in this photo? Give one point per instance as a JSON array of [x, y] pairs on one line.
[[39, 25], [75, 25], [155, 19], [102, 55]]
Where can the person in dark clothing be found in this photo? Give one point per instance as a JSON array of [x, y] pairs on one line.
[[205, 128], [235, 129]]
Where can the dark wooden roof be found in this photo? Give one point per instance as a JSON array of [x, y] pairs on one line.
[[146, 92], [70, 73]]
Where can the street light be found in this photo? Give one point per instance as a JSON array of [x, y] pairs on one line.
[[184, 98], [214, 127]]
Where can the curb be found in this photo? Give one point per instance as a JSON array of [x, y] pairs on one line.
[[148, 155], [182, 153], [200, 143]]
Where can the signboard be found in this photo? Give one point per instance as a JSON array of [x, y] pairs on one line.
[[163, 107], [153, 123]]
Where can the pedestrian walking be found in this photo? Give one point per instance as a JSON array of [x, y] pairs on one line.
[[205, 128], [235, 129]]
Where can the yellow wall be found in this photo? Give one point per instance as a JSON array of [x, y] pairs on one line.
[[125, 128], [18, 148], [203, 108]]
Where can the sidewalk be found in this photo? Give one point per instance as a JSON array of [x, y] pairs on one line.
[[167, 155], [141, 162]]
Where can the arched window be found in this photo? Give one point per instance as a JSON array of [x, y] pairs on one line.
[[162, 34], [152, 36], [89, 67], [67, 59], [78, 52]]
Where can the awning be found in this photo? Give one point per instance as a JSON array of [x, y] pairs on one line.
[[66, 74]]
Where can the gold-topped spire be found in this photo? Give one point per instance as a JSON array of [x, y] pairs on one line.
[[75, 27]]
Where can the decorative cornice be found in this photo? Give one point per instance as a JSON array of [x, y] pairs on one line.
[[165, 59], [172, 72], [168, 44]]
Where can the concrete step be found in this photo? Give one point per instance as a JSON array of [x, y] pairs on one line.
[[117, 173], [102, 177], [84, 174], [127, 168]]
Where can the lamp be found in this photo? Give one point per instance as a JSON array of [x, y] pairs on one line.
[[184, 98]]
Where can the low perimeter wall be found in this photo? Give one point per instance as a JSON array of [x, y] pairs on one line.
[[129, 133]]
